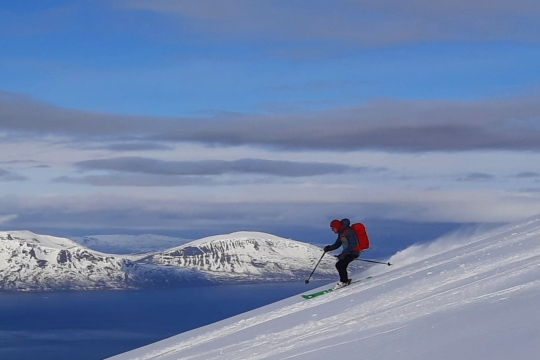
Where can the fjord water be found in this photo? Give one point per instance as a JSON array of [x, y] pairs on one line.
[[93, 325]]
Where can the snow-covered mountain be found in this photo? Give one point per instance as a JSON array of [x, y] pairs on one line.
[[32, 262], [129, 244], [463, 297], [247, 256]]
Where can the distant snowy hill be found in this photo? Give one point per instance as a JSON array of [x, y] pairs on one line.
[[463, 297], [32, 262], [129, 244], [247, 256]]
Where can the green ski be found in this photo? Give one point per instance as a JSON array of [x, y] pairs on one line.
[[319, 293]]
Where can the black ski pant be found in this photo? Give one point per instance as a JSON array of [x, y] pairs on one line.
[[341, 266]]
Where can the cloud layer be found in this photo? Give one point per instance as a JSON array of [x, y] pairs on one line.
[[291, 207], [395, 125], [354, 22], [212, 167], [274, 113], [6, 175]]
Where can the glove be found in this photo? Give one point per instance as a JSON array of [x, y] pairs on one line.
[[326, 248], [341, 256]]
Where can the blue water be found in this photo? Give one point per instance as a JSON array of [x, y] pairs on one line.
[[98, 324]]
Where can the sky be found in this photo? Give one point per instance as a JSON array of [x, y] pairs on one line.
[[198, 118]]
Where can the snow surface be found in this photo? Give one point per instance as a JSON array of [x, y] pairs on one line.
[[464, 297], [48, 241]]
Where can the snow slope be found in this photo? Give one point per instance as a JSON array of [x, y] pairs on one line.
[[460, 298]]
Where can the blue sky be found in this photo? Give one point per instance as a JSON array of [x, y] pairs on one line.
[[197, 118]]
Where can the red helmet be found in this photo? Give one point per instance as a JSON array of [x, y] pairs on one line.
[[336, 224]]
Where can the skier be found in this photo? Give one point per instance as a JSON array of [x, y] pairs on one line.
[[348, 240]]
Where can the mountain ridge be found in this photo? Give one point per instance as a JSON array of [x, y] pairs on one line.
[[34, 262], [246, 255]]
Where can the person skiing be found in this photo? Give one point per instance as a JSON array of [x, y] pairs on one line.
[[348, 240]]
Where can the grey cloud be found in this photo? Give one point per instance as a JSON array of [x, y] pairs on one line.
[[111, 211], [18, 162], [101, 211], [476, 176], [137, 146], [355, 22], [21, 114], [531, 190], [26, 163], [212, 167], [142, 180], [528, 174], [6, 175], [7, 218], [117, 212], [388, 124], [423, 125]]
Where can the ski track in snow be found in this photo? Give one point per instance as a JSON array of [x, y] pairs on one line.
[[483, 269], [340, 343]]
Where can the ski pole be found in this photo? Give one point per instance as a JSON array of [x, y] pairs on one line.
[[376, 262], [307, 281]]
